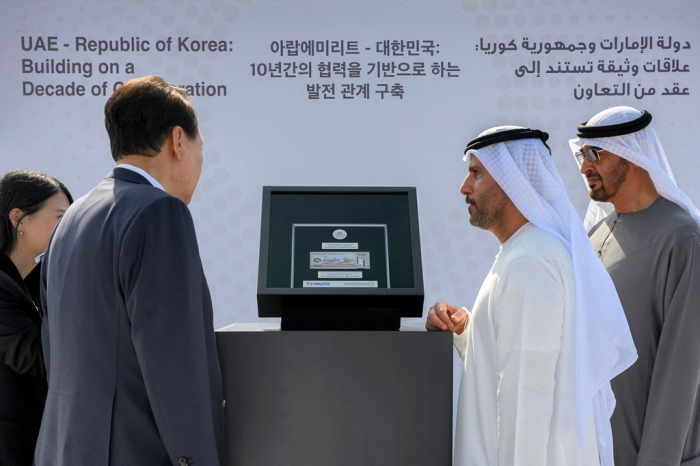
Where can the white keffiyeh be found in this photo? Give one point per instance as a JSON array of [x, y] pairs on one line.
[[641, 148], [604, 346]]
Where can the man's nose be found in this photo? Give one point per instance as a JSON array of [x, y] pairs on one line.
[[586, 166], [466, 187]]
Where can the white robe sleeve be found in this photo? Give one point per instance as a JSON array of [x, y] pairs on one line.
[[529, 308], [460, 341]]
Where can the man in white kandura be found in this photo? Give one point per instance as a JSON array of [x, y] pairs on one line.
[[547, 332]]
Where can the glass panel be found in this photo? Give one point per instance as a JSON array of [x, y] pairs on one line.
[[341, 256], [390, 209]]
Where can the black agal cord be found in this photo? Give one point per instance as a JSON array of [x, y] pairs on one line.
[[508, 135], [608, 131]]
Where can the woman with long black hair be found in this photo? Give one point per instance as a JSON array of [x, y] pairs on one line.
[[31, 204]]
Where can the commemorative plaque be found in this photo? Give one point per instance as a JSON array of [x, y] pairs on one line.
[[360, 260], [330, 251]]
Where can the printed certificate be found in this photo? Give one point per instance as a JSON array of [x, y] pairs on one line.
[[335, 255], [339, 260]]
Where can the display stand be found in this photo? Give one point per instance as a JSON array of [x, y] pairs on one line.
[[341, 319], [336, 398]]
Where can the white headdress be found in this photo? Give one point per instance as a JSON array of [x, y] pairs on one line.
[[640, 147], [604, 347]]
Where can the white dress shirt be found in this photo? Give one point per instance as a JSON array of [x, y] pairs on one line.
[[143, 173]]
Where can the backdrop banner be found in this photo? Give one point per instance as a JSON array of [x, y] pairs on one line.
[[344, 93]]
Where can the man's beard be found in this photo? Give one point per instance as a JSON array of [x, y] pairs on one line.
[[490, 209], [613, 181]]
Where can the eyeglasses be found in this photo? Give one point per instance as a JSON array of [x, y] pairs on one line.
[[592, 155]]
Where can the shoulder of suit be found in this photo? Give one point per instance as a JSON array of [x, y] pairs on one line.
[[157, 214], [162, 203], [141, 195]]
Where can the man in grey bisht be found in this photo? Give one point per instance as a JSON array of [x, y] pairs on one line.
[[645, 231], [128, 328]]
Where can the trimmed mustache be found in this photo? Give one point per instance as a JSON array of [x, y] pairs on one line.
[[593, 175], [469, 200]]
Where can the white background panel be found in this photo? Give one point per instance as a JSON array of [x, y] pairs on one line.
[[266, 131]]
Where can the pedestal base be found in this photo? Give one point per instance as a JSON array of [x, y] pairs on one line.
[[337, 398], [341, 319]]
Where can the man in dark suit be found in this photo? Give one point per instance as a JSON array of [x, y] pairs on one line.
[[128, 327]]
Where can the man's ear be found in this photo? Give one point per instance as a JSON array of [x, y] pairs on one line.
[[15, 216], [177, 136]]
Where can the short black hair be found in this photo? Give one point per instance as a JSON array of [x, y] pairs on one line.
[[140, 115], [27, 191]]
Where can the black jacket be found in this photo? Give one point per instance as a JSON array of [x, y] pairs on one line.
[[22, 374]]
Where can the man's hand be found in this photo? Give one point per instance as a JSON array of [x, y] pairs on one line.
[[445, 317]]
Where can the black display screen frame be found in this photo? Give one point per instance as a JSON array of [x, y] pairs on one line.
[[408, 300]]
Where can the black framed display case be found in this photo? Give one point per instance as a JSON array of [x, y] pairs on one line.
[[340, 257]]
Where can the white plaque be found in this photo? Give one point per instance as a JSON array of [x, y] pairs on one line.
[[339, 245], [339, 284], [339, 260], [340, 275]]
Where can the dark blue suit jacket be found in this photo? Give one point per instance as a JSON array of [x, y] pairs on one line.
[[128, 334]]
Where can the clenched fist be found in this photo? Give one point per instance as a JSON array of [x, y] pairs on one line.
[[445, 317]]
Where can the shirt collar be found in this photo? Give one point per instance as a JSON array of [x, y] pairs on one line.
[[143, 173]]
